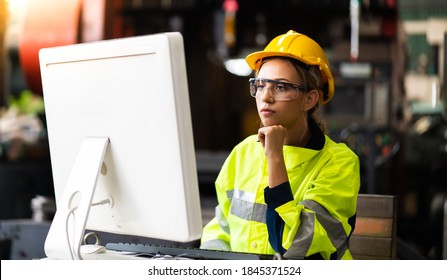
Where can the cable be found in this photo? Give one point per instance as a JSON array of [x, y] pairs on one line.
[[71, 212], [104, 201], [278, 256]]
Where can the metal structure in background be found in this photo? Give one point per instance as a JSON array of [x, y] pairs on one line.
[[376, 148]]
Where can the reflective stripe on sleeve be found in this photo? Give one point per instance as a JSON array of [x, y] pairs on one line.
[[248, 211], [334, 227], [303, 238], [244, 207]]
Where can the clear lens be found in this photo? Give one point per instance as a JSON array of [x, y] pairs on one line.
[[281, 91]]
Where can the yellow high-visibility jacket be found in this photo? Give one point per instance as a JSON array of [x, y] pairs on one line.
[[311, 216]]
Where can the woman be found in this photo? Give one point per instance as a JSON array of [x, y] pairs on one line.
[[290, 189]]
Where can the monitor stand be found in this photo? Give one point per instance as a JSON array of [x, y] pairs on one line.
[[66, 233]]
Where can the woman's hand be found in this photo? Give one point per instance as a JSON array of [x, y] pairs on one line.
[[272, 139]]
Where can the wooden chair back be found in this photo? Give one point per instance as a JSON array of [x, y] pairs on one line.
[[374, 236]]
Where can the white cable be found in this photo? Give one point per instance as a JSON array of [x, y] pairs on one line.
[[71, 212], [104, 201]]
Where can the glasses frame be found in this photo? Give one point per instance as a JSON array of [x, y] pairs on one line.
[[253, 88]]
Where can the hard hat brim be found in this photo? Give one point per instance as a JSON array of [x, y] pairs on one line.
[[254, 59]]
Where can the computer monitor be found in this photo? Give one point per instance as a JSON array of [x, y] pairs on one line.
[[121, 141]]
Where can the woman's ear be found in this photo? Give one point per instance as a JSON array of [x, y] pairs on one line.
[[311, 99]]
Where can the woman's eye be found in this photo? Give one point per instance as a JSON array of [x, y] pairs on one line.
[[281, 87], [260, 86]]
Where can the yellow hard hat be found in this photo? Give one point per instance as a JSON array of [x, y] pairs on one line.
[[300, 47]]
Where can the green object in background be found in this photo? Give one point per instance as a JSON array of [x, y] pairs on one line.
[[27, 103]]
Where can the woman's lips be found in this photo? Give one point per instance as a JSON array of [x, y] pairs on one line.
[[267, 112]]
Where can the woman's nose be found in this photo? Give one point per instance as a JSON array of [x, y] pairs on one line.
[[267, 95]]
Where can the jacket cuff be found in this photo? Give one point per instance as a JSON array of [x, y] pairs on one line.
[[279, 195]]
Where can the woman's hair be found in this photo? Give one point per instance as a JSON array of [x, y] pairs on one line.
[[311, 78]]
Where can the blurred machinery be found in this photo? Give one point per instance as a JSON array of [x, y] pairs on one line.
[[388, 59], [424, 145]]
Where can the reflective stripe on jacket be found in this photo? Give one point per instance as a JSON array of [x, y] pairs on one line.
[[317, 222]]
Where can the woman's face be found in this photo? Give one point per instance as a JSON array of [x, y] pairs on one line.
[[287, 113]]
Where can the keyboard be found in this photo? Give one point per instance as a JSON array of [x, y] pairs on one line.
[[166, 251]]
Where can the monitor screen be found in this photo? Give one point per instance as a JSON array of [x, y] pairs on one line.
[[121, 141]]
